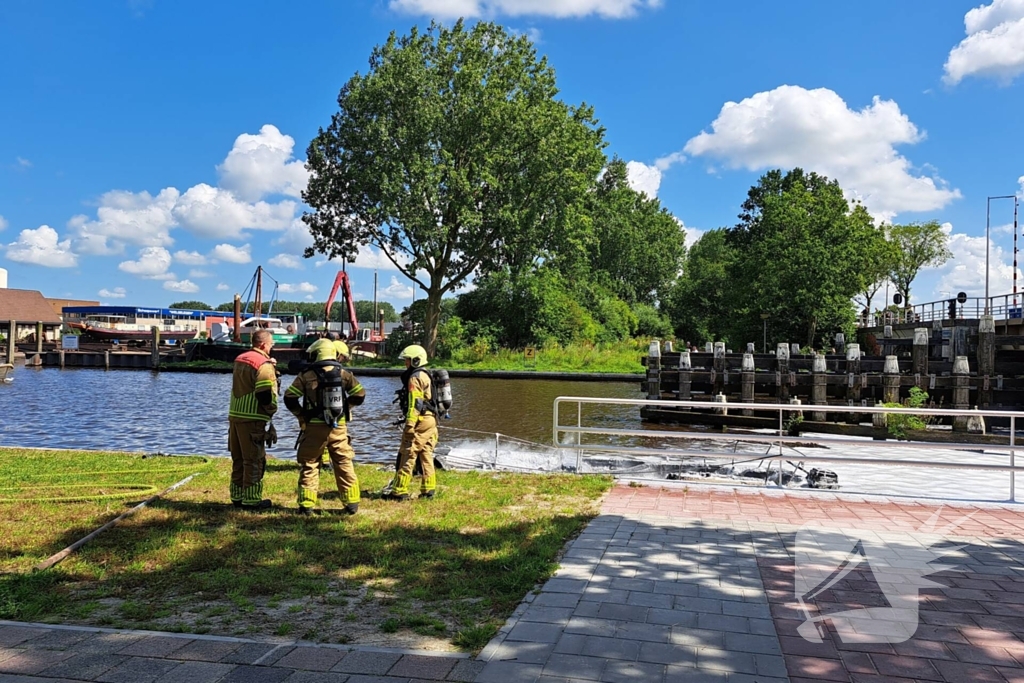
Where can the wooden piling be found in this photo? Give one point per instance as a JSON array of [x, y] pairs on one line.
[[819, 387], [236, 332], [718, 364], [853, 381], [747, 381], [39, 337], [986, 360], [106, 360], [155, 363], [919, 354], [961, 391], [12, 335], [685, 377], [891, 380], [782, 372], [654, 371]]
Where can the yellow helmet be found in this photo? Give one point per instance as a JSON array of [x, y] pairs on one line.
[[322, 349], [342, 349], [416, 353]]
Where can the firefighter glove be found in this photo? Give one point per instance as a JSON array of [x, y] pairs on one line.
[[271, 435]]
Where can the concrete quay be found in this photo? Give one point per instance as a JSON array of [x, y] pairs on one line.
[[671, 583]]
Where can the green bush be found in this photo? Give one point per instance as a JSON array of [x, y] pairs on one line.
[[899, 425]]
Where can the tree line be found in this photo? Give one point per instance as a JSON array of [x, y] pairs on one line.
[[309, 310]]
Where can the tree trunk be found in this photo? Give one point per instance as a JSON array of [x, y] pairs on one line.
[[812, 329], [432, 318]]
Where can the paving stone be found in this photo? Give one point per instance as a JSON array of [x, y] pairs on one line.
[[756, 678], [744, 642], [276, 654], [199, 672], [107, 643], [611, 648], [248, 653], [574, 586], [311, 658], [419, 666], [83, 666], [367, 678], [655, 633], [509, 672], [550, 615], [587, 609], [255, 674], [589, 626], [725, 660], [32, 661], [556, 600], [365, 662], [316, 677], [685, 674], [138, 670], [15, 635], [570, 644], [672, 617], [757, 610], [576, 666], [59, 639], [622, 612], [524, 652], [466, 670], [659, 653], [630, 672], [535, 632], [154, 646], [207, 650]]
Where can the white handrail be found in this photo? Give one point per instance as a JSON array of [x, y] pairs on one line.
[[579, 431]]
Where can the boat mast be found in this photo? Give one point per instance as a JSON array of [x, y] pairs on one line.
[[259, 291]]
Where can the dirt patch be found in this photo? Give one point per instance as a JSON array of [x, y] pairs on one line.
[[364, 616]]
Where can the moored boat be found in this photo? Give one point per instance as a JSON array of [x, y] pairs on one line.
[[134, 324]]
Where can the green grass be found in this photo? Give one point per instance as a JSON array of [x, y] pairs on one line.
[[465, 559]]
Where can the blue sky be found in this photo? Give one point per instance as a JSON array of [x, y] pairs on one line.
[[152, 150]]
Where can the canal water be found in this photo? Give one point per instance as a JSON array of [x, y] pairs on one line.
[[184, 413]]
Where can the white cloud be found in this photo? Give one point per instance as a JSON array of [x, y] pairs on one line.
[[965, 272], [190, 258], [397, 290], [262, 164], [286, 261], [24, 163], [115, 293], [184, 286], [690, 235], [369, 257], [643, 178], [994, 46], [232, 254], [301, 288], [42, 247], [126, 218], [217, 214], [791, 126], [295, 238], [197, 273], [669, 160], [221, 287], [152, 264], [3, 223], [452, 9]]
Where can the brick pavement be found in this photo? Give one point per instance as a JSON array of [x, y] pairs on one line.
[[667, 584]]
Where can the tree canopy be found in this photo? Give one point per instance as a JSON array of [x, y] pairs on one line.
[[194, 305], [452, 156], [800, 252], [916, 246]]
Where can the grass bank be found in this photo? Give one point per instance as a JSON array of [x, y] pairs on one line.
[[439, 574]]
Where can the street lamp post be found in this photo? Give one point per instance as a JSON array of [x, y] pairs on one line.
[[988, 241], [764, 340]]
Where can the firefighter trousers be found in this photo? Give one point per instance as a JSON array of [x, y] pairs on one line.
[[315, 439], [246, 441], [417, 447]]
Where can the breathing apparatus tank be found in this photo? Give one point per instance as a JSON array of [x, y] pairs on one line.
[[331, 391], [442, 391]]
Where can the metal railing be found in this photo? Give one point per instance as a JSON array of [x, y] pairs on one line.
[[1001, 307], [579, 431]]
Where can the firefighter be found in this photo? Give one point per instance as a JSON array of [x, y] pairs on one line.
[[253, 404], [320, 397], [420, 434]]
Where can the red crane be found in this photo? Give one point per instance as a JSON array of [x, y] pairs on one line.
[[341, 282]]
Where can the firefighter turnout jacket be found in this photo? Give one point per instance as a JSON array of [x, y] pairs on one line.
[[253, 387], [305, 386]]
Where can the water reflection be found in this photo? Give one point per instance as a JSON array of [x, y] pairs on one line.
[[187, 413]]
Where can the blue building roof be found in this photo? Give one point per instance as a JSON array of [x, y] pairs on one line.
[[139, 311]]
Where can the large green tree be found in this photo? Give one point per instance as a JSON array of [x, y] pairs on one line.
[[917, 246], [700, 302], [193, 305], [452, 156], [800, 256], [639, 246]]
